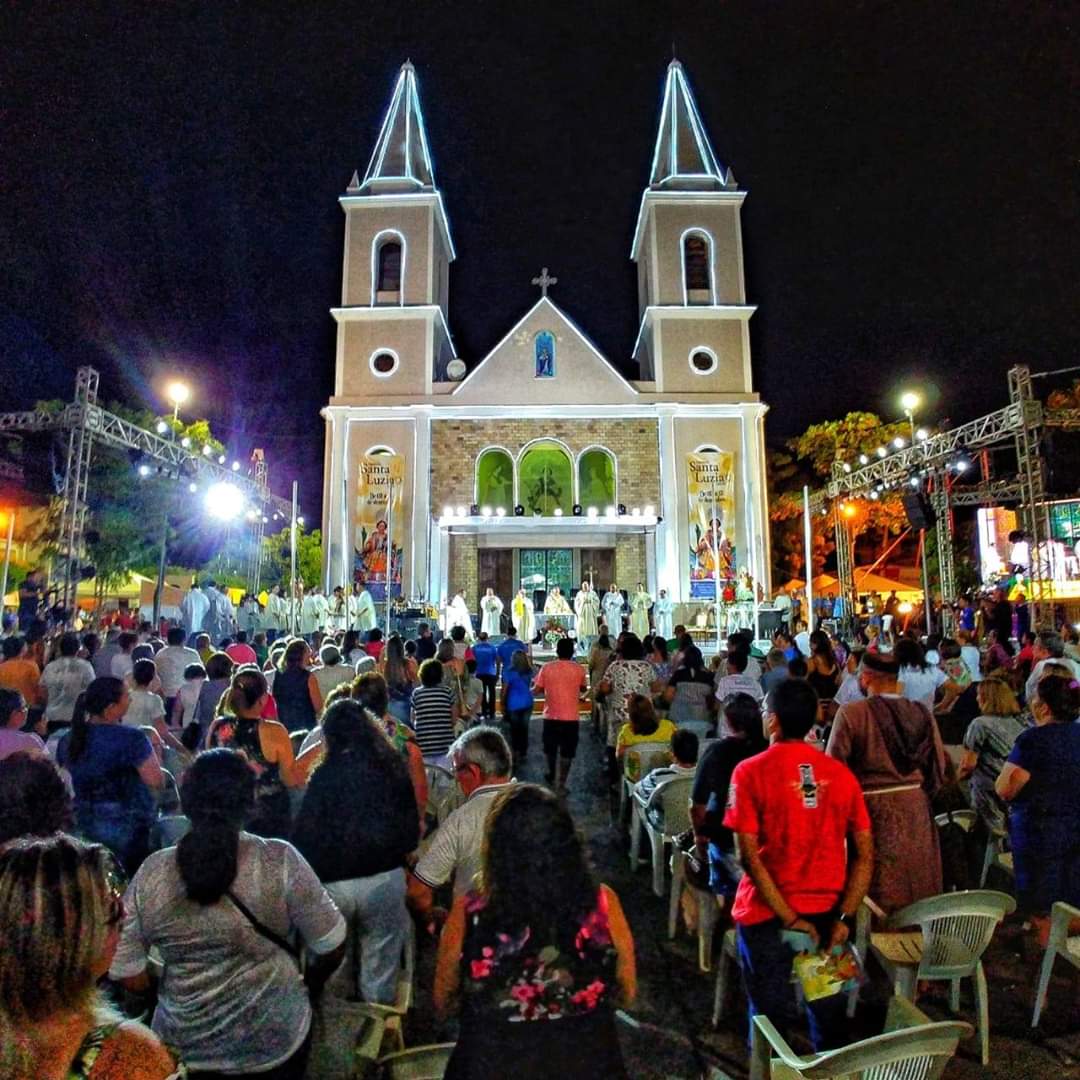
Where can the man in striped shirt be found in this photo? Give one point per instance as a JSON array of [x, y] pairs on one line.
[[433, 711]]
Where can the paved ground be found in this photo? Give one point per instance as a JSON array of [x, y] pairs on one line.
[[672, 1036]]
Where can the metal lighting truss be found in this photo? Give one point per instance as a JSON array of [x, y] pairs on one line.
[[84, 421], [1021, 423]]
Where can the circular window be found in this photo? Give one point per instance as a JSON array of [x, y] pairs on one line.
[[384, 363], [703, 361]]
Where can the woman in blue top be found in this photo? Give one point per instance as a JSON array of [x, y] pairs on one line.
[[1041, 782], [517, 702], [114, 772]]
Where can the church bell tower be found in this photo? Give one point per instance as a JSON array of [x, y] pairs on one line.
[[688, 248], [393, 338]]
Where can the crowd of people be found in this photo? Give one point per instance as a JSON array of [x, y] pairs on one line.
[[186, 819]]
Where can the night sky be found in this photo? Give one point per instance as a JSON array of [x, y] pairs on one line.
[[169, 176]]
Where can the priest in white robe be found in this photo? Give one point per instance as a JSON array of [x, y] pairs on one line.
[[640, 603], [614, 605], [362, 615], [663, 615], [338, 616], [555, 603], [524, 616], [457, 614], [491, 609], [587, 609], [311, 613]]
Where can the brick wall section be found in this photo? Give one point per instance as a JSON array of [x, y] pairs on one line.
[[455, 444], [463, 569], [629, 562]]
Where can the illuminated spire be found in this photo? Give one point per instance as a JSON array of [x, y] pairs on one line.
[[401, 160], [683, 157]]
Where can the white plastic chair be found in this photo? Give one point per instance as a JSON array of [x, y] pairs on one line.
[[392, 1016], [911, 1048], [645, 758], [673, 796], [729, 959], [418, 1063], [444, 795], [1060, 944], [997, 854], [708, 914], [954, 931]]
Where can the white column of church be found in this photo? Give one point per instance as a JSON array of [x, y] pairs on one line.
[[421, 508], [752, 493], [666, 542], [650, 562], [338, 516]]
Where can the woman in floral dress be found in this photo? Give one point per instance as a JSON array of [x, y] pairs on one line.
[[628, 673], [539, 956]]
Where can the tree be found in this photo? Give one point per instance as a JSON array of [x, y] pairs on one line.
[[276, 568], [808, 460]]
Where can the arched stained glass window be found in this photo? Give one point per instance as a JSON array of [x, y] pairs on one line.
[[596, 479], [544, 345], [495, 480], [546, 479]]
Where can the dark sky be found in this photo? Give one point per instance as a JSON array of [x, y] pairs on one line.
[[169, 176]]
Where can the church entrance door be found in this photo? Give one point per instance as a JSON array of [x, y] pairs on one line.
[[542, 568], [496, 569], [601, 563]]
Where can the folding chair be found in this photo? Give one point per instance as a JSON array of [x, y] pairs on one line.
[[673, 796]]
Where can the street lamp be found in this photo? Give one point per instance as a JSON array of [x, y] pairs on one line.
[[177, 393], [910, 400]]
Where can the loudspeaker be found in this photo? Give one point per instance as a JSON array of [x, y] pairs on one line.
[[918, 510]]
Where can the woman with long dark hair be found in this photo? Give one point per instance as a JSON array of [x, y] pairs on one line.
[[219, 909], [400, 675], [114, 773], [689, 693], [60, 915], [267, 746], [356, 825], [296, 690], [539, 955]]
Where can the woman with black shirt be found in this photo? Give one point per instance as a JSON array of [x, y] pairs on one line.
[[356, 825]]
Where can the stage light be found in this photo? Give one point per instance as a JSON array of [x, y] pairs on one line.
[[558, 511], [485, 512], [849, 511], [881, 451], [904, 607], [221, 459], [207, 451], [299, 521], [961, 466], [899, 443], [474, 510], [863, 459], [608, 512], [874, 494], [519, 510], [236, 466], [847, 467], [266, 520], [177, 393], [447, 511], [185, 442], [252, 515], [461, 511], [914, 481], [224, 501], [500, 511], [593, 513], [621, 508], [650, 511], [193, 488], [576, 511], [144, 471], [636, 512], [162, 427], [922, 434]]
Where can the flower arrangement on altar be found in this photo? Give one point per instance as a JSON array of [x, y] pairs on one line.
[[552, 632]]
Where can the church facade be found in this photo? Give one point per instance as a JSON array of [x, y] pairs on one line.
[[443, 477]]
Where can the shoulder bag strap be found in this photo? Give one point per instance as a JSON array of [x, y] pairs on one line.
[[261, 928]]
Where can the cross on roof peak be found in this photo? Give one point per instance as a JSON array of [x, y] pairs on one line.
[[545, 281]]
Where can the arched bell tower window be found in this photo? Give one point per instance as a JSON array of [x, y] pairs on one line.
[[697, 267], [388, 268]]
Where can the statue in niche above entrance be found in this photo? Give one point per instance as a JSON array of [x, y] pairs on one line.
[[545, 355]]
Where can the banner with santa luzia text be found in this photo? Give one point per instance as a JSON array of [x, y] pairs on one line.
[[710, 506], [380, 524]]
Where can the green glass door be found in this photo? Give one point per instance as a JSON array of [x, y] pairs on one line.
[[543, 568]]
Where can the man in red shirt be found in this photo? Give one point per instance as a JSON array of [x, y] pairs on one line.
[[563, 682], [792, 811]]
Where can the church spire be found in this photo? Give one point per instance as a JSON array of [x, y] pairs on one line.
[[683, 158], [401, 160]]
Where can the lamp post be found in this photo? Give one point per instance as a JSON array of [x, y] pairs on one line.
[[10, 515], [177, 393], [909, 402]]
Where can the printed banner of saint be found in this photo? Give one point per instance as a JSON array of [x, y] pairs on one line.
[[379, 523], [710, 502]]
